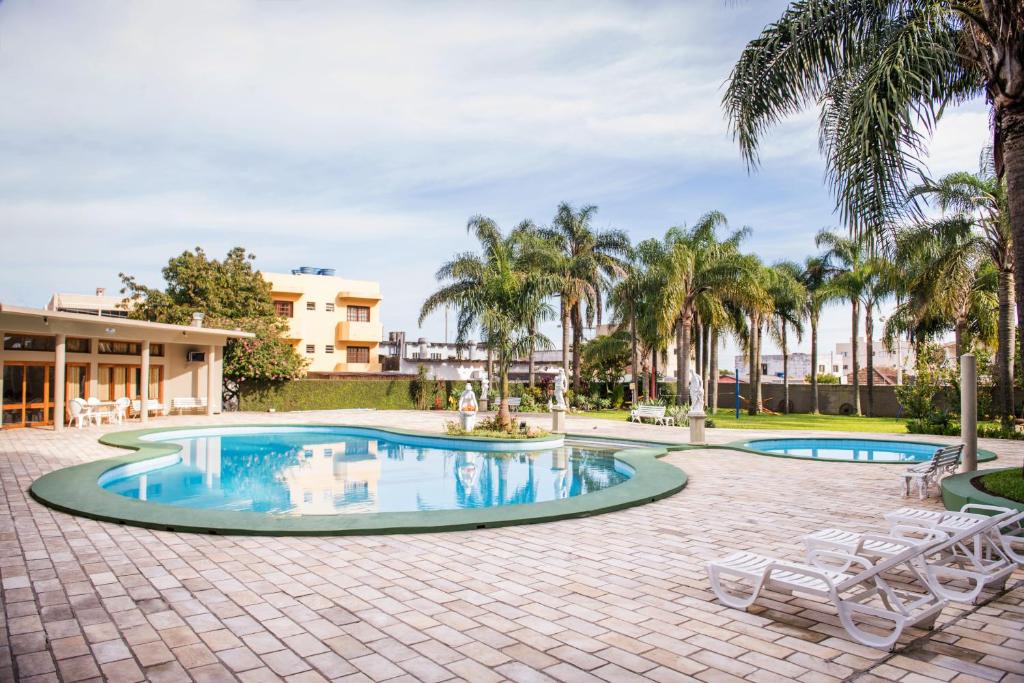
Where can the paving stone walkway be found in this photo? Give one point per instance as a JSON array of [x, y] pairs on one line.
[[617, 597]]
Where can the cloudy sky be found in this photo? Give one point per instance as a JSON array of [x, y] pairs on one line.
[[361, 136]]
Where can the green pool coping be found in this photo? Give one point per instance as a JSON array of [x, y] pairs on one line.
[[75, 490], [959, 490], [983, 454]]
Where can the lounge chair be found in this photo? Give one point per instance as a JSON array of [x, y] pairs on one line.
[[944, 461], [852, 594], [967, 550]]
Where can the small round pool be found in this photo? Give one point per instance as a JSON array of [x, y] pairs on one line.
[[851, 450], [330, 471]]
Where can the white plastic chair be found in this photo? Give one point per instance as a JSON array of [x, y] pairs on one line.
[[95, 410], [80, 413], [121, 409]]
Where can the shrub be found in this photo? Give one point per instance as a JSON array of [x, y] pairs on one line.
[[328, 394], [490, 428]]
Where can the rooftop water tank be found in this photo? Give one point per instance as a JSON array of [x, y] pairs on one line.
[[326, 271], [308, 270]]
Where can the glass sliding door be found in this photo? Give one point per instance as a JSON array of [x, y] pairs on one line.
[[14, 396], [28, 394]]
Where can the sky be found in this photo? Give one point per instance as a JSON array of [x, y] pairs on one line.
[[362, 136]]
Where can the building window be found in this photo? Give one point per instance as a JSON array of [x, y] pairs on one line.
[[359, 314], [284, 309], [29, 342], [821, 368], [764, 368], [329, 348], [435, 356], [310, 348], [358, 354], [310, 305], [121, 348], [78, 345], [329, 307]]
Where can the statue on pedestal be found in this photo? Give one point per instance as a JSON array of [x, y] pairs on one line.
[[560, 385], [467, 401], [696, 394]]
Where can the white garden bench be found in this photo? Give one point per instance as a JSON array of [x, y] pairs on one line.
[[513, 404], [183, 403], [152, 406], [945, 461], [656, 413]]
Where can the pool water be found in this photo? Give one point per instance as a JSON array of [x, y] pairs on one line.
[[335, 471], [856, 450]]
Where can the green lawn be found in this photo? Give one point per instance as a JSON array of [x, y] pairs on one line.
[[796, 421], [1008, 484]]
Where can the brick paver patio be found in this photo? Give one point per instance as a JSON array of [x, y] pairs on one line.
[[617, 597]]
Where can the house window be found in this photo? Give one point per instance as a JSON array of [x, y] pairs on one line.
[[77, 345], [358, 354], [310, 348], [329, 348], [821, 368], [284, 309], [310, 305], [29, 342], [359, 314], [764, 368], [329, 308], [119, 348], [435, 356]]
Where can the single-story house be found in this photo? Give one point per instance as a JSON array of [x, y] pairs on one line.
[[50, 357]]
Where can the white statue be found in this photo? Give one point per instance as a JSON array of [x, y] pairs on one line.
[[485, 387], [560, 384], [467, 402], [696, 394]]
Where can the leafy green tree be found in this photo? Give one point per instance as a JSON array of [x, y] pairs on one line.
[[230, 294], [788, 297], [980, 199], [606, 357], [882, 72], [498, 292], [586, 260]]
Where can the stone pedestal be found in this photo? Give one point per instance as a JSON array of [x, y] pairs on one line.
[[483, 404], [558, 420], [697, 428]]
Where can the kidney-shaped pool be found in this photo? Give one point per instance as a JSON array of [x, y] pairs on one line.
[[851, 450]]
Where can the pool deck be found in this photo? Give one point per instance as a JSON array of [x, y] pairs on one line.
[[617, 597]]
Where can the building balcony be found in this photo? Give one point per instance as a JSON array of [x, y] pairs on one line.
[[349, 330]]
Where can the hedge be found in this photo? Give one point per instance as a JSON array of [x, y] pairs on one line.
[[327, 394]]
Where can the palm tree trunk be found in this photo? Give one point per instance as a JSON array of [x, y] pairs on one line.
[[869, 350], [533, 374], [705, 367], [714, 371], [855, 361], [751, 357], [815, 406], [683, 368], [654, 374], [785, 372], [759, 397], [577, 342], [504, 415], [1011, 132], [1004, 353], [635, 367], [565, 337], [680, 382], [698, 344]]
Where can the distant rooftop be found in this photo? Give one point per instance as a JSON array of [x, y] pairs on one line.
[[99, 303]]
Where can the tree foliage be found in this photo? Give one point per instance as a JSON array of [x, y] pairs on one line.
[[231, 294]]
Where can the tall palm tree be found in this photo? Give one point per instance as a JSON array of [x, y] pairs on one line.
[[882, 72], [699, 267], [788, 297], [497, 292], [847, 261], [757, 306], [626, 299], [818, 291], [980, 198], [588, 260]]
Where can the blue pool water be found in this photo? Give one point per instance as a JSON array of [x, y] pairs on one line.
[[337, 470], [865, 450]]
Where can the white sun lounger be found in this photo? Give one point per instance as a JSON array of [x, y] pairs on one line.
[[968, 549], [852, 594]]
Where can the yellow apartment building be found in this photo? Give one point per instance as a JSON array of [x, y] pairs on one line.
[[332, 322]]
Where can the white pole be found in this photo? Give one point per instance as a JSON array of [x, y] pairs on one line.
[[969, 411]]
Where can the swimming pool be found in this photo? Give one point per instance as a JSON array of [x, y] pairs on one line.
[[331, 471], [851, 450], [330, 479]]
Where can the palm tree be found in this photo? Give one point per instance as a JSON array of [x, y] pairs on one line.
[[497, 292], [847, 261], [625, 300], [757, 306], [818, 291], [699, 268], [588, 259], [788, 298], [882, 72], [980, 198]]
